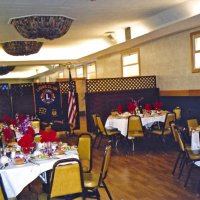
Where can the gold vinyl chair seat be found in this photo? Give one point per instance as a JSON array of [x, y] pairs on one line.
[[91, 180]]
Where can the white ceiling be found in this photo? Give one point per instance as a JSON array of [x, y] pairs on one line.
[[93, 19]]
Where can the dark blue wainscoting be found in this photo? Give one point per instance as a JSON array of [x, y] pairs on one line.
[[190, 106]]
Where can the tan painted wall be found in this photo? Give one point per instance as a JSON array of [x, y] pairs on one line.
[[168, 58]]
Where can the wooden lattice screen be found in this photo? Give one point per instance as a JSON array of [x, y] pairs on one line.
[[120, 84]]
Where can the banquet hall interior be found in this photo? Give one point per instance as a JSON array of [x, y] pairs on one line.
[[124, 72]]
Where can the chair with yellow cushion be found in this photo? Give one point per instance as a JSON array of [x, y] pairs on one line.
[[3, 194], [192, 124], [111, 134], [66, 179], [177, 111], [94, 181], [95, 128], [166, 128], [85, 151], [186, 155], [135, 129]]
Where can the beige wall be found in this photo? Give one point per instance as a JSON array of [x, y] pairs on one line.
[[109, 66], [168, 58]]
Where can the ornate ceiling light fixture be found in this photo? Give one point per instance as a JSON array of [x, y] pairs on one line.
[[6, 69], [37, 26], [21, 48]]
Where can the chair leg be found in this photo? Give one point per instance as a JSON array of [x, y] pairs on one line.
[[107, 191], [95, 139], [100, 141], [189, 174], [182, 167], [176, 163]]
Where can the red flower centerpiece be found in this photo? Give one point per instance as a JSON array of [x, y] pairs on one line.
[[49, 136], [131, 107], [120, 109], [27, 141], [147, 106], [158, 105]]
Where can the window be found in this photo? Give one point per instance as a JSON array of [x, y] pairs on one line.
[[130, 64], [79, 72], [91, 71], [60, 75], [195, 43]]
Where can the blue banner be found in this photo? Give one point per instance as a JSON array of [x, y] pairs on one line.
[[48, 102]]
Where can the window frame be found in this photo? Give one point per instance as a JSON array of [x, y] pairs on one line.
[[77, 67], [95, 73], [130, 52], [193, 36]]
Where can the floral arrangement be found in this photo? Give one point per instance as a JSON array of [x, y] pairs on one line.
[[12, 125], [27, 140], [8, 134], [49, 136], [158, 105], [22, 122], [147, 106], [134, 104], [120, 109]]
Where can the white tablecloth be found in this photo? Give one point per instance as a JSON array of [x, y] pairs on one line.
[[16, 177], [122, 123]]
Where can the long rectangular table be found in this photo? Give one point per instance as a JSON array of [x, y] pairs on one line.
[[17, 177]]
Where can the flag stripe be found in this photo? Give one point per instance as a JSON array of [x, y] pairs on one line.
[[72, 111]]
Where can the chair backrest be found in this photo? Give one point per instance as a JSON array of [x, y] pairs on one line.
[[170, 117], [94, 117], [66, 179], [100, 125], [3, 194], [179, 139], [172, 124], [177, 111], [135, 127], [106, 162], [192, 124], [85, 151]]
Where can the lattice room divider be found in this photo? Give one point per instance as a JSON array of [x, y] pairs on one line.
[[103, 95]]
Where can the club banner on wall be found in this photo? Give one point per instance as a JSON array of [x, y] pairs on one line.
[[48, 102]]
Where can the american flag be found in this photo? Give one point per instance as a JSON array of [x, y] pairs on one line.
[[72, 112]]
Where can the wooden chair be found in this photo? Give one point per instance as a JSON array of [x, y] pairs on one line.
[[66, 179], [109, 133], [92, 181], [135, 129], [85, 151], [166, 128]]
